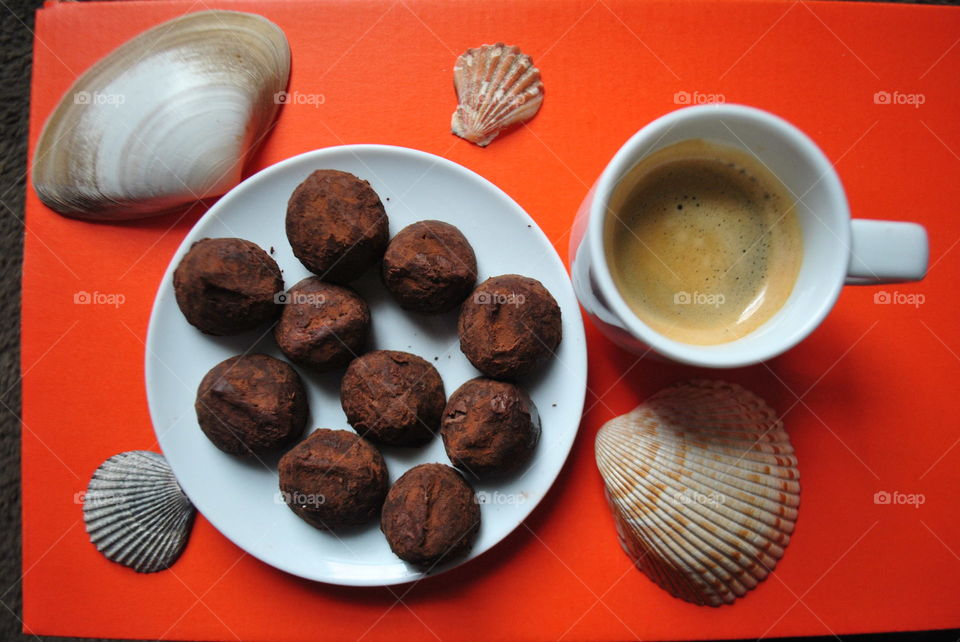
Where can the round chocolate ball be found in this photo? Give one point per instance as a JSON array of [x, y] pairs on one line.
[[429, 267], [489, 427], [336, 225], [251, 404], [394, 398], [322, 326], [227, 286], [334, 479], [430, 515], [509, 326]]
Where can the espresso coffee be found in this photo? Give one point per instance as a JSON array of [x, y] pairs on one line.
[[703, 242]]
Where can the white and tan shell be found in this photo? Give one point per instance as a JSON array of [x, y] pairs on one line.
[[704, 488], [497, 87], [166, 119], [136, 513]]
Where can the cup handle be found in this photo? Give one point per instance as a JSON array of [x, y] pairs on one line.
[[887, 252]]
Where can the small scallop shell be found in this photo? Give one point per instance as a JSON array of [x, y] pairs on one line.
[[704, 488], [167, 118], [497, 87], [136, 513]]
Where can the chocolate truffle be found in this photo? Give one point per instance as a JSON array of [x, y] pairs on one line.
[[430, 515], [429, 267], [489, 427], [336, 225], [334, 479], [227, 286], [323, 326], [393, 398], [251, 404], [509, 326]]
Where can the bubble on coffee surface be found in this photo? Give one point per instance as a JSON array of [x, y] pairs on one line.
[[705, 246]]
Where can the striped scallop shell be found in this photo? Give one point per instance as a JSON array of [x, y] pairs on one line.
[[497, 86], [136, 513], [704, 488]]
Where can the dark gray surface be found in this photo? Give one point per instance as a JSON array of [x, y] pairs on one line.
[[16, 41], [15, 50]]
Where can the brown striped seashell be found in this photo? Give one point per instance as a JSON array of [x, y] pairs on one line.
[[704, 488], [497, 87]]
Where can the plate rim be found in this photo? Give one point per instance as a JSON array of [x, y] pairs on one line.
[[357, 150]]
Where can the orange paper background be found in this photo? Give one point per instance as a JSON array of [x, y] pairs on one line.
[[869, 398]]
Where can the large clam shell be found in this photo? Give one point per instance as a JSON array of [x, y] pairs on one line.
[[136, 513], [704, 488], [166, 119], [497, 87]]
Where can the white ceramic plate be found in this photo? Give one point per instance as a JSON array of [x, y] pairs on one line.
[[241, 498]]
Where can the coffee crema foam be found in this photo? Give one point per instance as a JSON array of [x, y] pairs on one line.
[[703, 242]]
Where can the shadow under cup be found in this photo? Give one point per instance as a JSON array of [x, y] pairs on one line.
[[821, 209]]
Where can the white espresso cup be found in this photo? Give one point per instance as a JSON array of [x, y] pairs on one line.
[[836, 249]]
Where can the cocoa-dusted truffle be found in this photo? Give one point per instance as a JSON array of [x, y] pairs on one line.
[[251, 404], [509, 326], [336, 225], [393, 397], [323, 326], [429, 267], [227, 286], [430, 515], [489, 427], [334, 479]]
